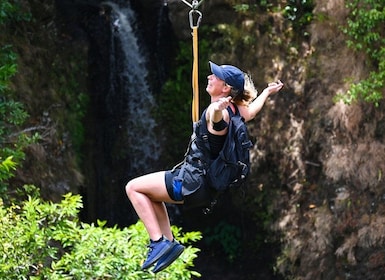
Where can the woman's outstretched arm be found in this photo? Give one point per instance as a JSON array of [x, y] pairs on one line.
[[249, 112]]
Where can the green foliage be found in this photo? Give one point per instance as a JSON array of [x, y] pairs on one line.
[[227, 236], [12, 139], [45, 240], [66, 78], [7, 167], [75, 121], [174, 115], [12, 11], [8, 66], [242, 8], [12, 115], [300, 13], [262, 5], [365, 28]]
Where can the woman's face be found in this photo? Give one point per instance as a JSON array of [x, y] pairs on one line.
[[215, 86]]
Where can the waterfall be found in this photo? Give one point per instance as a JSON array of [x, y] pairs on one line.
[[129, 77], [123, 141]]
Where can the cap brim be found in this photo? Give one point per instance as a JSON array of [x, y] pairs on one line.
[[216, 70]]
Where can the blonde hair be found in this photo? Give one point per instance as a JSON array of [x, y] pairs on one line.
[[249, 92]]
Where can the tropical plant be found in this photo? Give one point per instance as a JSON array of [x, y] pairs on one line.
[[366, 34], [46, 240]]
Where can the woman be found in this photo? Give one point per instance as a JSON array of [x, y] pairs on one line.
[[227, 86]]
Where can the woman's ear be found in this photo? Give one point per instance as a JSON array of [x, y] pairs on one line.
[[227, 88]]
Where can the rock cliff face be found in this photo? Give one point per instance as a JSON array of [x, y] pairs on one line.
[[335, 186], [48, 68], [317, 166]]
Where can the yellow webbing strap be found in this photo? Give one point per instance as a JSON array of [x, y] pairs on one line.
[[194, 24], [195, 84]]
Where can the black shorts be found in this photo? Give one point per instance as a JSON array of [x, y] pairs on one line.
[[200, 197], [168, 178]]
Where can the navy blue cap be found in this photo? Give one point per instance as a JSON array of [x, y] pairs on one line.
[[230, 74]]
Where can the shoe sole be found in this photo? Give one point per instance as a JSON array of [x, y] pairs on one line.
[[169, 258], [158, 256]]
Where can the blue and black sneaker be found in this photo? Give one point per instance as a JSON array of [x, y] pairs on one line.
[[168, 258], [156, 250]]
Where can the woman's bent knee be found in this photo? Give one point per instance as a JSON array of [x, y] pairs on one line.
[[151, 185], [136, 185], [130, 188]]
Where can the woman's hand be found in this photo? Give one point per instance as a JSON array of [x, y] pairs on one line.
[[221, 104], [274, 87], [216, 110]]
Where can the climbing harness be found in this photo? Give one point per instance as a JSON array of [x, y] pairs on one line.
[[195, 17]]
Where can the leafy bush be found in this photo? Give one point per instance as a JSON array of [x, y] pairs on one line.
[[227, 236], [13, 11], [45, 240], [300, 13], [366, 32], [12, 115]]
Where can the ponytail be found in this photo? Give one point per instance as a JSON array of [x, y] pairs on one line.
[[249, 92]]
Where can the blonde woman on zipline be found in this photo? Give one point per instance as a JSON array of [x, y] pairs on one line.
[[227, 86]]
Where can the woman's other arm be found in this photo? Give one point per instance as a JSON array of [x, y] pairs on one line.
[[249, 112]]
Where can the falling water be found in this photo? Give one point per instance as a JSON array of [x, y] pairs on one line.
[[129, 75], [123, 141]]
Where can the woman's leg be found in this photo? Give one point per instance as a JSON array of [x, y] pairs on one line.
[[148, 194], [163, 219]]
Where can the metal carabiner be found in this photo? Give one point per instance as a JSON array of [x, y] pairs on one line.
[[191, 18], [194, 10]]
